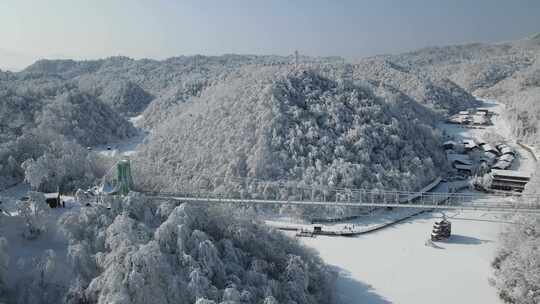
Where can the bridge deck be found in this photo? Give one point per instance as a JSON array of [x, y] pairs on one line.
[[426, 201]]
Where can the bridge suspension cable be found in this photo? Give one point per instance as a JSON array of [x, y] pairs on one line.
[[304, 196]]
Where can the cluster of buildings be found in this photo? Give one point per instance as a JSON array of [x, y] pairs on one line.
[[478, 117], [470, 157], [468, 154]]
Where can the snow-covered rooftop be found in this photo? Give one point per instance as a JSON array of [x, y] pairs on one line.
[[501, 165], [507, 150], [463, 167], [507, 157], [511, 173], [469, 143], [490, 148]]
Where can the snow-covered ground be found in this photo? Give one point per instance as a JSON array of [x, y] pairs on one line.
[[126, 147], [136, 119], [378, 218], [369, 221], [394, 265], [26, 255]]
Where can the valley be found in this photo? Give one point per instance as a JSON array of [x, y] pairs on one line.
[[397, 264], [272, 179]]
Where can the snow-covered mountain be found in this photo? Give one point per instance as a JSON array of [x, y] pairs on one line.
[[507, 71], [472, 66], [215, 120], [276, 123], [88, 101], [432, 81], [437, 93], [39, 111]]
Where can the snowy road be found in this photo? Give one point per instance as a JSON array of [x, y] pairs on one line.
[[394, 265]]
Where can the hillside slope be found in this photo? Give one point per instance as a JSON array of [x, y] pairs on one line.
[[516, 264], [438, 93], [280, 124], [37, 112], [506, 71]]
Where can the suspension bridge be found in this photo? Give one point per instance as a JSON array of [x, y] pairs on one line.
[[257, 192], [393, 199]]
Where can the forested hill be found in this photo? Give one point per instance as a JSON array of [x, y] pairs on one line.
[[438, 93], [88, 102], [211, 122], [274, 123]]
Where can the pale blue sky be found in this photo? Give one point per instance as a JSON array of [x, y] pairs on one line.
[[158, 29]]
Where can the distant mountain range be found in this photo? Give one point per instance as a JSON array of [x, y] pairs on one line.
[[89, 102]]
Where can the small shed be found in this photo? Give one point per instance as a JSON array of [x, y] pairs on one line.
[[54, 200]]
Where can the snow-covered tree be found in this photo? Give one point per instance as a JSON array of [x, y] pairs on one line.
[[517, 263], [84, 119], [35, 212], [276, 124], [186, 254], [63, 165]]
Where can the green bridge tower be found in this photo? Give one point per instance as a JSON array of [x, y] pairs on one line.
[[123, 177]]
